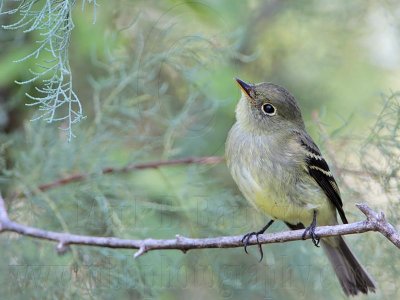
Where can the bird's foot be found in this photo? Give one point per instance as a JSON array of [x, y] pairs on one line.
[[246, 238], [311, 230]]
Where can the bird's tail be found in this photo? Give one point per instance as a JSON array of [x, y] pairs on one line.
[[352, 276]]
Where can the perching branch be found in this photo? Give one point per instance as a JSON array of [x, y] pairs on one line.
[[374, 222]]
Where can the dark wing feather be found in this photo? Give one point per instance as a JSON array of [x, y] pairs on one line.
[[319, 170]]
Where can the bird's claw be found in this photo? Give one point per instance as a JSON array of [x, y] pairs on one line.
[[314, 237], [311, 229], [246, 238]]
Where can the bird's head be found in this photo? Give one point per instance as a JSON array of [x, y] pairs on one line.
[[267, 107]]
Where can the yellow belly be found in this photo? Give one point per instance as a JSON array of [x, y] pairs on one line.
[[284, 209], [274, 200]]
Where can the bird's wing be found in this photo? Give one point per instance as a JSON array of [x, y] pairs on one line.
[[319, 170]]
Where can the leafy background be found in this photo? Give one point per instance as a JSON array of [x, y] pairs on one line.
[[156, 82]]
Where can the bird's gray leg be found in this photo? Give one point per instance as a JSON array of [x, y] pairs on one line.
[[311, 229], [246, 238]]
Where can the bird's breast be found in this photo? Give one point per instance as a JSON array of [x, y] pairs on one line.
[[267, 172]]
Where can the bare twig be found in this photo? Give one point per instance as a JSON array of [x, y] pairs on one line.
[[380, 223], [207, 160], [374, 222]]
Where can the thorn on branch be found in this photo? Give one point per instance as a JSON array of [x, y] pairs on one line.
[[62, 248], [381, 217], [142, 250], [179, 240]]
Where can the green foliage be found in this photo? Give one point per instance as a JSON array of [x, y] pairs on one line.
[[380, 152], [155, 80], [51, 24]]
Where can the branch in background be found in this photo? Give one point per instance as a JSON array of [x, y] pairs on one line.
[[375, 222], [207, 160]]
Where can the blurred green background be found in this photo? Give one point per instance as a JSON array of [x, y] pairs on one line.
[[155, 79]]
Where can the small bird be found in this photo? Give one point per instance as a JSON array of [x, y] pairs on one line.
[[281, 172]]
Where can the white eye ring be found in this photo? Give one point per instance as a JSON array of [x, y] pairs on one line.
[[268, 109]]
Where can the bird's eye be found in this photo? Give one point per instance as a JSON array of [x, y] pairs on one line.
[[268, 109]]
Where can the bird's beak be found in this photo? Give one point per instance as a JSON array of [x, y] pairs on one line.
[[245, 87]]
